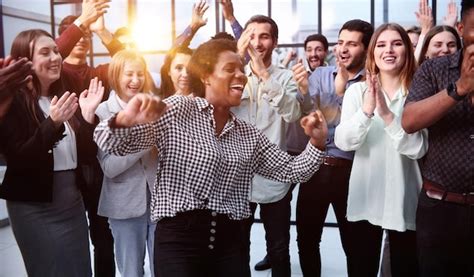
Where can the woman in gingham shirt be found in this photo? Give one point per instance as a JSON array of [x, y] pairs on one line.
[[207, 158]]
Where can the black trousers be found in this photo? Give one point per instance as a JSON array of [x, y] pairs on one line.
[[445, 238], [329, 185], [198, 243], [99, 231], [276, 221]]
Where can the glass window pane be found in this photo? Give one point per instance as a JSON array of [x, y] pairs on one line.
[[400, 11], [334, 16], [152, 27], [296, 19]]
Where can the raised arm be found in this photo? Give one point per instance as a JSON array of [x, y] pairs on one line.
[[424, 16], [197, 21], [424, 113]]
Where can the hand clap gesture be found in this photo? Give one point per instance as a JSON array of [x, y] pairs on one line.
[[300, 75], [142, 108], [62, 109], [316, 128], [374, 99]]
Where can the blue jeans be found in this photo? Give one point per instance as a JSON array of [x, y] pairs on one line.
[[445, 238], [131, 236]]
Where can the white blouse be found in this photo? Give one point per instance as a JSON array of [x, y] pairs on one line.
[[65, 151], [385, 179]]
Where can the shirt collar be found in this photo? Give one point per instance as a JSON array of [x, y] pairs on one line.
[[249, 72], [358, 75]]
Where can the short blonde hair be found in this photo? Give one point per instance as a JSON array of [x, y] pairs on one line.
[[116, 69]]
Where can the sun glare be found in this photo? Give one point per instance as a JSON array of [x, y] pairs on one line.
[[149, 37]]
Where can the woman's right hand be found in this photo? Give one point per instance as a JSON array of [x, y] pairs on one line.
[[62, 109], [142, 108], [369, 102]]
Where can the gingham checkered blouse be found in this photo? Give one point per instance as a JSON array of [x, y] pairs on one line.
[[198, 169]]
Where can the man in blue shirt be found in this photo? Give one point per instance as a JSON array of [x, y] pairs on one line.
[[330, 184]]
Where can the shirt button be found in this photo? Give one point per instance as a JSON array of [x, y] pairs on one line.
[[471, 136], [213, 231], [50, 151], [213, 223], [211, 239], [214, 214], [210, 246]]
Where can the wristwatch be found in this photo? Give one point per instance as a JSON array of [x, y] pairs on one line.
[[453, 92]]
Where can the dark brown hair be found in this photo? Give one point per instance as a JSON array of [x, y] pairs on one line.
[[433, 32], [167, 88], [20, 49]]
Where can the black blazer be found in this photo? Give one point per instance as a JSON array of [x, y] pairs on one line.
[[28, 149]]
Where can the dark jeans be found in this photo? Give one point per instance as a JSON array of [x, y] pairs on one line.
[[329, 185], [276, 221], [198, 243], [99, 231], [366, 251], [445, 237]]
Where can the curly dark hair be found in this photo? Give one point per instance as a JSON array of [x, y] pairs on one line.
[[203, 61]]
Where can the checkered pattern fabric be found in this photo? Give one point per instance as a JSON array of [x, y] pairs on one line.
[[449, 161], [198, 169]]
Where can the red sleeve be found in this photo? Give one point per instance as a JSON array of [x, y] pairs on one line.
[[68, 39]]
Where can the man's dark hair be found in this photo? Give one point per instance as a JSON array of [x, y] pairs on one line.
[[68, 20], [223, 35], [317, 37], [361, 26], [466, 6], [265, 19]]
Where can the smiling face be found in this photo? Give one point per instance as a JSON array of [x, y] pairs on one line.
[[178, 73], [389, 52], [46, 60], [351, 50], [132, 79], [441, 44], [315, 54], [262, 41], [225, 85]]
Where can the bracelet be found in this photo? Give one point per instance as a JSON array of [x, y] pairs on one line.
[[78, 23], [369, 115]]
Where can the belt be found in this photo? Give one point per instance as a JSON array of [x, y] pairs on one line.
[[436, 191], [337, 162]]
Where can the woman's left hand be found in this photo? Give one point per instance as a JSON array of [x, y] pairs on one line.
[[316, 128], [90, 99], [381, 104]]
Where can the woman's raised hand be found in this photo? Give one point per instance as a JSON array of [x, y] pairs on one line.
[[142, 108], [63, 108], [90, 99]]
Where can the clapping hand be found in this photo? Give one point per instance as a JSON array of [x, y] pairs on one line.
[[316, 128], [63, 108], [300, 75]]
